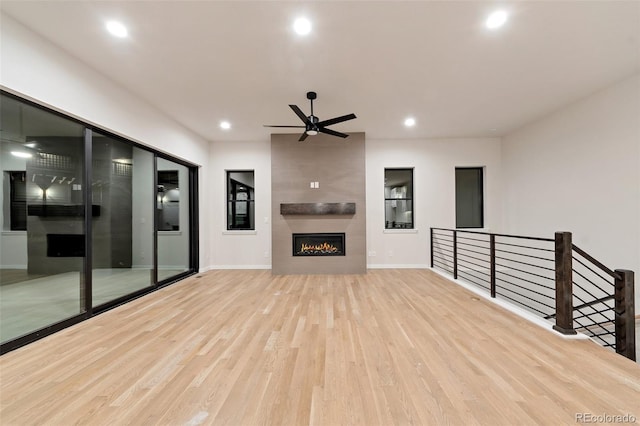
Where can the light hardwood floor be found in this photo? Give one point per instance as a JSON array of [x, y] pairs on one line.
[[248, 348]]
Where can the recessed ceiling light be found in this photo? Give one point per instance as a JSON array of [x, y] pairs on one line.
[[496, 19], [409, 121], [302, 26], [21, 154], [225, 125], [117, 29]]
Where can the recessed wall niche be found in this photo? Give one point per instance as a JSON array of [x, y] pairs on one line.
[[338, 167]]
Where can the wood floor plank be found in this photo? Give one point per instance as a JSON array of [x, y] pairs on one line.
[[249, 348]]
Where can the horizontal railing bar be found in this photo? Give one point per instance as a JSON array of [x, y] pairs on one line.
[[592, 325], [497, 235], [609, 310], [442, 249], [460, 237], [594, 261], [444, 260], [474, 264], [577, 284], [525, 263], [468, 271], [525, 255], [525, 296], [524, 279], [471, 275], [526, 247], [592, 283], [472, 257], [525, 272], [435, 234], [594, 302], [521, 304], [595, 272], [474, 251], [472, 245], [442, 237]]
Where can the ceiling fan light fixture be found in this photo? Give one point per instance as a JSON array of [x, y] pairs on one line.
[[312, 132]]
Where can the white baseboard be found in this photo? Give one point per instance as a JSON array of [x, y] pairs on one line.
[[209, 268], [13, 266], [397, 266]]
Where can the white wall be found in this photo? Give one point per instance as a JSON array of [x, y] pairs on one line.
[[434, 162], [239, 249], [34, 68], [434, 182], [578, 170]]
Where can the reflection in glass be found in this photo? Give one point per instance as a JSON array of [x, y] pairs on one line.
[[42, 244], [122, 192], [398, 198], [172, 215], [168, 201]]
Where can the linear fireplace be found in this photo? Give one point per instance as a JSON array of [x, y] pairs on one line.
[[318, 244]]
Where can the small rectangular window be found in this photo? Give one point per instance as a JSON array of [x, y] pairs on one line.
[[469, 197], [398, 198], [240, 200]]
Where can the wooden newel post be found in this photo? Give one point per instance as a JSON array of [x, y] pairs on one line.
[[564, 283], [625, 314]]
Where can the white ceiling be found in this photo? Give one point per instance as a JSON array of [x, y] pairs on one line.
[[204, 61]]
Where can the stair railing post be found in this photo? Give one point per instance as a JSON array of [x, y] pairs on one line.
[[455, 255], [492, 254], [431, 238], [625, 314], [564, 283]]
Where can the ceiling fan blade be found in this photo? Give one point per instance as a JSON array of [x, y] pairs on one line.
[[332, 132], [336, 120], [269, 125], [299, 113], [303, 137]]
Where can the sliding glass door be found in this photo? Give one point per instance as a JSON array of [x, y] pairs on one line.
[[42, 245], [89, 220], [172, 218], [122, 229]]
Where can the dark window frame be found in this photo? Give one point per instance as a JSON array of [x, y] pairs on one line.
[[232, 202], [480, 186], [388, 224]]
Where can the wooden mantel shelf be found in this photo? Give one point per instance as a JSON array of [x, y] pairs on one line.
[[317, 208]]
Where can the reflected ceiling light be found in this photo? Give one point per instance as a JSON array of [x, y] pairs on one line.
[[496, 19], [225, 125], [31, 144], [302, 26], [117, 29], [410, 122], [21, 154]]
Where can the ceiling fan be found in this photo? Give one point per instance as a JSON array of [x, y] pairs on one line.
[[313, 125]]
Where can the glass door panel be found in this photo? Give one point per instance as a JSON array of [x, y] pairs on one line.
[[122, 229], [42, 244], [172, 217]]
